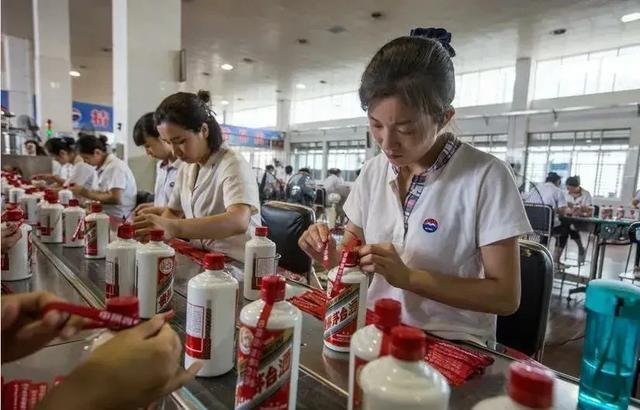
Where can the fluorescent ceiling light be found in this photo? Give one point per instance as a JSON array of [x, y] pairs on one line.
[[224, 102], [74, 73], [627, 18], [301, 86], [226, 67]]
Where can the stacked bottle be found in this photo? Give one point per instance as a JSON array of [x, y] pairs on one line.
[[16, 262], [121, 263], [269, 325], [212, 297], [155, 264]]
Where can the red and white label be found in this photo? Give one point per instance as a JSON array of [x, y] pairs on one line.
[[112, 279], [166, 268], [199, 325], [341, 314], [45, 225], [91, 238], [262, 267], [273, 377]]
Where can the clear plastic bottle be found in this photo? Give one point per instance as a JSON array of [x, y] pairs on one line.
[[50, 217], [120, 274], [259, 261], [155, 265], [64, 195], [528, 387], [211, 318], [403, 380], [369, 343], [96, 233], [16, 262], [73, 225], [281, 338], [345, 311], [29, 205]]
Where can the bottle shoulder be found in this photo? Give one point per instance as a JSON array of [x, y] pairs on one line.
[[283, 315], [213, 278]]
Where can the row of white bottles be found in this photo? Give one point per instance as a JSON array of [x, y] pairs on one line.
[[16, 262], [155, 266]]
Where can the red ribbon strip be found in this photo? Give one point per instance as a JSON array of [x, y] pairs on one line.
[[250, 376]]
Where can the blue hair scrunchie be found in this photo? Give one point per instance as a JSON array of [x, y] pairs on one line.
[[439, 34]]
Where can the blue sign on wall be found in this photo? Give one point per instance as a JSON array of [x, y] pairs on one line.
[[252, 137], [92, 117], [4, 100]]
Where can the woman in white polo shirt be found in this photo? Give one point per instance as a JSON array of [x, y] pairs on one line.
[[215, 201], [79, 172], [116, 186], [439, 218]]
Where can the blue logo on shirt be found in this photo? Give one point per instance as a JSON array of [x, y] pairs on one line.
[[430, 225]]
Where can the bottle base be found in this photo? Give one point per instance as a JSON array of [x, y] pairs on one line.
[[65, 245], [335, 348], [93, 257]]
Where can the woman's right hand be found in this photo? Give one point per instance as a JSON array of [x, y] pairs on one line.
[[314, 240], [135, 368]]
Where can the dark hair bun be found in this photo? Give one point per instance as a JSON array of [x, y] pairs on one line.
[[439, 34], [104, 139], [204, 96]]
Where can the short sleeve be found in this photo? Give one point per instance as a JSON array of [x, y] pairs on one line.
[[82, 175], [500, 211], [116, 178], [561, 201], [353, 205], [174, 199], [239, 185]]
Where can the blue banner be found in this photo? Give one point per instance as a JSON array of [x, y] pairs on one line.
[[92, 117], [4, 100], [252, 137]]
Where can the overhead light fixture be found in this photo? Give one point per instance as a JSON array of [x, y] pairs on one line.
[[627, 18], [301, 86], [224, 102], [226, 67], [558, 31], [74, 73]]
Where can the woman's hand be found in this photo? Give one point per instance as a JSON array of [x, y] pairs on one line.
[[383, 259], [314, 240], [25, 330], [11, 234], [151, 210], [48, 178], [78, 190], [141, 207], [145, 223], [106, 380]]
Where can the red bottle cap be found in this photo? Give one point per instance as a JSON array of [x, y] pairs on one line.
[[96, 207], [72, 184], [262, 231], [353, 258], [530, 385], [214, 261], [52, 199], [74, 202], [125, 231], [408, 343], [272, 289], [14, 215], [30, 191], [387, 313], [124, 305], [156, 234], [49, 192]]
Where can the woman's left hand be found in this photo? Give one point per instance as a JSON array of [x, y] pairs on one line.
[[145, 223], [384, 260]]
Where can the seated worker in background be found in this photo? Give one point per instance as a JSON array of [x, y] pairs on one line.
[[106, 378], [333, 181], [215, 201], [79, 172], [268, 184], [577, 196], [145, 134], [116, 186], [550, 194], [439, 219], [33, 148], [301, 188]]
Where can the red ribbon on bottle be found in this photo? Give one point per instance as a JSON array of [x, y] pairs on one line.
[[250, 376]]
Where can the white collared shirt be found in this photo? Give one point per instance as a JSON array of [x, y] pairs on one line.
[[548, 194], [468, 203], [331, 183], [82, 174], [115, 173], [166, 174], [583, 200], [226, 179]]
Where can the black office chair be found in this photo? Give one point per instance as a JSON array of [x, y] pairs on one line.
[[321, 199], [143, 197], [541, 220], [287, 222], [525, 330]]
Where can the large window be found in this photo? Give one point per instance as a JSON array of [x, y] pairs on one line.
[[309, 155], [330, 107], [596, 72], [255, 117], [485, 87], [348, 156], [495, 144], [598, 157], [259, 158]]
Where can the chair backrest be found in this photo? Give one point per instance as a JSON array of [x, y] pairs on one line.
[[321, 197], [541, 220], [287, 222], [143, 197], [525, 330], [633, 232]]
